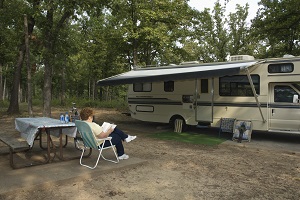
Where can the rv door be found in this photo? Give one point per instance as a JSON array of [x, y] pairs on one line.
[[284, 111], [204, 92]]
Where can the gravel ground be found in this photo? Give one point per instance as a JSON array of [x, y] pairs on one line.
[[266, 168]]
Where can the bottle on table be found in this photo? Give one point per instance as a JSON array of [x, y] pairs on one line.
[[62, 118], [67, 118]]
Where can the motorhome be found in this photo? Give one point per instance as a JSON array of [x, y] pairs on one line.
[[263, 91]]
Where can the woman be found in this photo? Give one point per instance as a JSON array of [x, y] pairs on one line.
[[118, 136]]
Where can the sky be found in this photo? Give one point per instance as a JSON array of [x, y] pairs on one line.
[[230, 7]]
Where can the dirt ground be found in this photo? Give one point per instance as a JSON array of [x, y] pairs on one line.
[[183, 171]]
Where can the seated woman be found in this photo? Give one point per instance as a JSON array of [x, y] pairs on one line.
[[118, 136]]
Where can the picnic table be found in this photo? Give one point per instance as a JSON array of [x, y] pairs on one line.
[[31, 129]]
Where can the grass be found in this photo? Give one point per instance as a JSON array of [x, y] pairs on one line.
[[193, 138]]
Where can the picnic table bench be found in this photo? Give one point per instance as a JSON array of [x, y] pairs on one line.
[[15, 144]]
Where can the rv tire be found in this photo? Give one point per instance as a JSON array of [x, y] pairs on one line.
[[173, 122]]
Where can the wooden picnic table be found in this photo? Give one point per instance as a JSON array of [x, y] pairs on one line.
[[31, 129]]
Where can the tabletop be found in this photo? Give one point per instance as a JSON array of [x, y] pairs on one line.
[[29, 127]]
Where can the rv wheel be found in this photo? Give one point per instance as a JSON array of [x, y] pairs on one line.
[[178, 124]]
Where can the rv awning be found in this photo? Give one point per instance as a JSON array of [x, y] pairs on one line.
[[179, 72]]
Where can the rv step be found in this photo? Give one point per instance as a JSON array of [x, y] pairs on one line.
[[284, 131]]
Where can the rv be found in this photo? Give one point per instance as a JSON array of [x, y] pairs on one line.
[[264, 92]]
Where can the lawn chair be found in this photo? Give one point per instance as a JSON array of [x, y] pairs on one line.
[[226, 125], [90, 141], [242, 131]]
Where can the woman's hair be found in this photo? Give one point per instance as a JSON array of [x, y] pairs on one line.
[[85, 113]]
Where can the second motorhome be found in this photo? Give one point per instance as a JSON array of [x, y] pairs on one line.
[[263, 91]]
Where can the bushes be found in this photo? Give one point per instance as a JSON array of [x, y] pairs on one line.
[[80, 103], [119, 104]]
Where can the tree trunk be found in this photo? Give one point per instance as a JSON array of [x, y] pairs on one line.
[[29, 81], [89, 90], [4, 90], [63, 86], [47, 87], [93, 90], [135, 56], [51, 35], [1, 83], [14, 103]]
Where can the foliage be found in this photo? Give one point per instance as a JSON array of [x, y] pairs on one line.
[[218, 36], [151, 29], [277, 26], [76, 43], [239, 39], [3, 104]]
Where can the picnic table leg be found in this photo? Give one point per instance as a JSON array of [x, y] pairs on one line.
[[61, 146], [49, 144], [11, 158], [41, 140], [66, 141], [60, 139]]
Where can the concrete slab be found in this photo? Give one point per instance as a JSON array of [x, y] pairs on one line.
[[57, 172]]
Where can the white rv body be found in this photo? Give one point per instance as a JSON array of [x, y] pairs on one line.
[[271, 104]]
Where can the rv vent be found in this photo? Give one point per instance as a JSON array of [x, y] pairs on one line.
[[240, 57], [288, 56], [189, 63]]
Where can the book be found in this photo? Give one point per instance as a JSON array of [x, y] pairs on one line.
[[106, 126]]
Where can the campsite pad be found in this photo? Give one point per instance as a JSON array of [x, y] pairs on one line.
[[56, 173]]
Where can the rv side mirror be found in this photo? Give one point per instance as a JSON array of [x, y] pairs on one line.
[[295, 99]]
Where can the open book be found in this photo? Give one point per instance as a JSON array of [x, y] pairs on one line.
[[106, 126]]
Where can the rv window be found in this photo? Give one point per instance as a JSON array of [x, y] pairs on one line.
[[204, 85], [142, 87], [284, 93], [238, 85], [169, 86], [281, 68]]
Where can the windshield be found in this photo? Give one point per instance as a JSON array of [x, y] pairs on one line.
[[297, 86]]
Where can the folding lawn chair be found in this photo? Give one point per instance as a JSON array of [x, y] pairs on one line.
[[90, 141], [226, 125], [242, 131]]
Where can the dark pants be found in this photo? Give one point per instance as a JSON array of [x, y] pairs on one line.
[[118, 137]]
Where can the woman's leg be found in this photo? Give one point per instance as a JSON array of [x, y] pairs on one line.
[[121, 134], [117, 141]]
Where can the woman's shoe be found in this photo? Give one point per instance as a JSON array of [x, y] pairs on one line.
[[130, 138], [123, 157]]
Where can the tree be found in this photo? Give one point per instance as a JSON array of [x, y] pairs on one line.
[[239, 41], [1, 52], [218, 36], [53, 23], [76, 43], [152, 30], [21, 6], [277, 24], [52, 18], [29, 80], [213, 35]]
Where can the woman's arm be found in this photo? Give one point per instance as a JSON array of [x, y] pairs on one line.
[[105, 134]]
